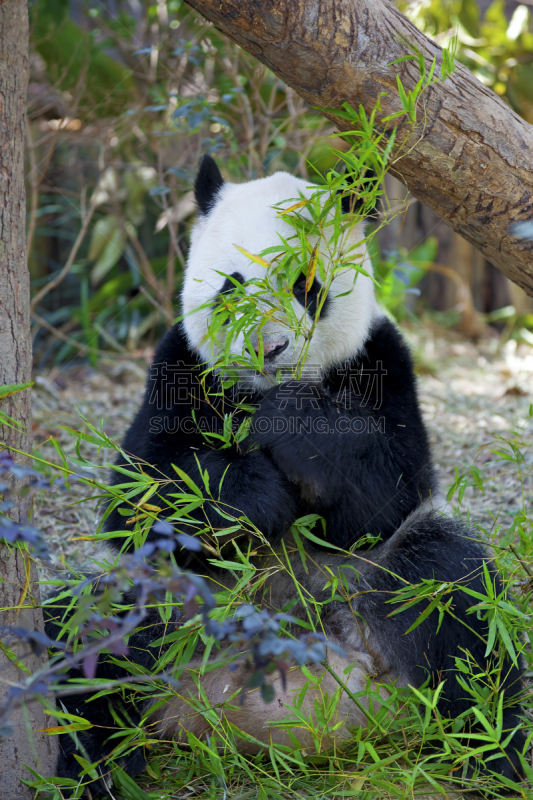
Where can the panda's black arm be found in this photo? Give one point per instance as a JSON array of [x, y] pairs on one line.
[[179, 403], [355, 445], [248, 485]]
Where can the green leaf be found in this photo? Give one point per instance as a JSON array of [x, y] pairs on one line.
[[469, 16], [113, 247], [123, 781], [403, 97], [424, 615], [506, 639], [311, 536], [188, 481], [268, 694], [14, 388]]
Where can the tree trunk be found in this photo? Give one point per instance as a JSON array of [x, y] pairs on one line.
[[470, 157], [19, 596]]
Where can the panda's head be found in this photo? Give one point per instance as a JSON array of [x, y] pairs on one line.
[[232, 216]]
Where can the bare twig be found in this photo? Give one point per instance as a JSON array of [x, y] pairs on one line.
[[85, 348], [154, 302], [70, 260], [150, 277]]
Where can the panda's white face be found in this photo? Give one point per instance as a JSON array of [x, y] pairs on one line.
[[243, 215]]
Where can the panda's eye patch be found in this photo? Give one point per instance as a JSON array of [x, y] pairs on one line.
[[228, 285], [309, 301]]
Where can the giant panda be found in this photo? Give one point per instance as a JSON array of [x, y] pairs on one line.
[[322, 444]]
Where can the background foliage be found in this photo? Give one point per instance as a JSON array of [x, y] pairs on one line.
[[125, 97]]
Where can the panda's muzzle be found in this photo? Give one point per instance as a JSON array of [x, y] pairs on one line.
[[272, 349]]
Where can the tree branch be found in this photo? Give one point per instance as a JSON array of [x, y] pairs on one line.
[[470, 157]]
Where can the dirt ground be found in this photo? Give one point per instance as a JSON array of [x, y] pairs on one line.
[[471, 394]]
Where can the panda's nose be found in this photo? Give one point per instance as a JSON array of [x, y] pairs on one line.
[[272, 349]]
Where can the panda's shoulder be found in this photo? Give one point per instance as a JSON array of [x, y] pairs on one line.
[[386, 341], [384, 347], [174, 349], [175, 365]]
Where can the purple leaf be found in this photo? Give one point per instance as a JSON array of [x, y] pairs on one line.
[[191, 608], [191, 591], [163, 527], [119, 648], [167, 545], [189, 542], [89, 666]]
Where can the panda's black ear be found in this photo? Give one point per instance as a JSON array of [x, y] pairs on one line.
[[207, 185], [352, 204]]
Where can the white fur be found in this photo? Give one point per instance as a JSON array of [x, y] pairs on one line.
[[243, 215], [264, 722]]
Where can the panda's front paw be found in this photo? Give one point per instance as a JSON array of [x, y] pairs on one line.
[[290, 424], [287, 411]]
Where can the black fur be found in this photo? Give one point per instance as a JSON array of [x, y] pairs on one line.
[[427, 546], [228, 285], [352, 203], [362, 481], [355, 446], [207, 185], [365, 482], [309, 300], [439, 548]]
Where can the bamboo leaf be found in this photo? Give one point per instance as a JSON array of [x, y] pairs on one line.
[[252, 257], [313, 261], [301, 204]]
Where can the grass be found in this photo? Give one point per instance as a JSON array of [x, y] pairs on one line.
[[408, 749]]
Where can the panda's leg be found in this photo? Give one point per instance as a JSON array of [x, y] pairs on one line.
[[276, 723], [429, 546], [85, 746], [94, 744], [185, 711]]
